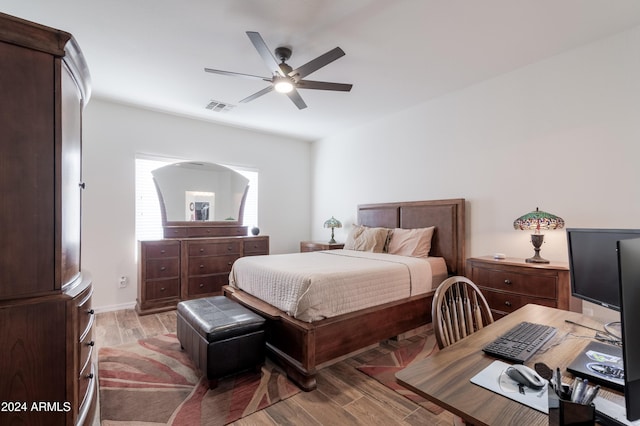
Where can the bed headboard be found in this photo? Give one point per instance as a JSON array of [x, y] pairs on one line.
[[447, 216]]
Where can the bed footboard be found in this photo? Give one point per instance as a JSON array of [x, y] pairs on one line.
[[299, 347]]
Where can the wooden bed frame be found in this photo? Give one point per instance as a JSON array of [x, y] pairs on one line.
[[300, 347]]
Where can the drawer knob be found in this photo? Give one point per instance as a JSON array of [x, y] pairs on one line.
[[162, 251], [201, 285], [229, 263], [201, 250], [89, 376], [161, 288], [91, 343], [201, 266], [507, 282], [229, 248], [82, 185], [163, 268], [507, 303], [90, 312]]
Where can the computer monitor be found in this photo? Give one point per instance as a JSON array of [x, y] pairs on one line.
[[629, 271], [593, 264]]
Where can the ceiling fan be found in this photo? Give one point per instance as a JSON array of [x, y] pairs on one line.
[[285, 79]]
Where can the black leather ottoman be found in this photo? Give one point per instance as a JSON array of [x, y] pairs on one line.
[[221, 336]]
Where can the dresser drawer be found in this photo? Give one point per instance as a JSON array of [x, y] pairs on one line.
[[86, 382], [85, 349], [211, 265], [226, 231], [162, 250], [85, 316], [256, 246], [207, 284], [509, 302], [526, 284], [214, 249], [162, 268], [162, 289]]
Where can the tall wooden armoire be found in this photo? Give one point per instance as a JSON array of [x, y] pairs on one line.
[[47, 376]]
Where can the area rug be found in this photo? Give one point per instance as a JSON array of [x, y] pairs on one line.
[[153, 382], [384, 368]]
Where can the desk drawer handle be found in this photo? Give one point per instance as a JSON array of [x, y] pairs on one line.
[[201, 285], [507, 282], [507, 303], [201, 250], [229, 263], [229, 248], [161, 288], [201, 266], [90, 312], [91, 343], [89, 376], [163, 268], [163, 251]]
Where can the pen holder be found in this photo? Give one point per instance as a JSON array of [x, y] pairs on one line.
[[564, 413]]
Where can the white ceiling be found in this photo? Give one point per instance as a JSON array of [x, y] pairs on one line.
[[399, 53]]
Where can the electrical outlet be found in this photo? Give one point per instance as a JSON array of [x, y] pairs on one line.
[[123, 281]]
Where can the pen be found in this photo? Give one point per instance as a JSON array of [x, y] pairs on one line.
[[592, 396], [578, 388]]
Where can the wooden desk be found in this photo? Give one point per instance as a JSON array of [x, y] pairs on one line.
[[444, 378]]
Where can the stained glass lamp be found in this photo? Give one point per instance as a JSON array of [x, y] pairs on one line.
[[332, 223], [535, 221]]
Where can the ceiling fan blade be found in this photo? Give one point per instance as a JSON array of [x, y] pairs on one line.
[[237, 74], [264, 52], [323, 85], [257, 94], [297, 99], [317, 63]]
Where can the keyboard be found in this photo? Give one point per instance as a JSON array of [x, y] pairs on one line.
[[521, 342]]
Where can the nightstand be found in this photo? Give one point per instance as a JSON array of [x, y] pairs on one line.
[[306, 246], [511, 283]]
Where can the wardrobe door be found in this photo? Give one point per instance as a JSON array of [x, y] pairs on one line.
[[71, 177], [27, 172]]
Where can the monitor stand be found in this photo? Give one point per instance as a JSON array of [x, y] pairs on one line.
[[608, 413]]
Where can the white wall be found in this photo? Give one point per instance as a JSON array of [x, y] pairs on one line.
[[114, 133], [562, 135]]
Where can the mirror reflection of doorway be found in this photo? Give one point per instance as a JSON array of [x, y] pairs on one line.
[[199, 205]]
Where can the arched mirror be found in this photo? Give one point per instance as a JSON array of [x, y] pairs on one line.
[[201, 199]]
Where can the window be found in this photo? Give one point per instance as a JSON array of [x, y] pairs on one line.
[[148, 219]]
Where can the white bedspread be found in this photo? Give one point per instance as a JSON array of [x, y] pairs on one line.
[[317, 285]]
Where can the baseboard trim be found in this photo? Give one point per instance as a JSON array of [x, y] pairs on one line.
[[110, 308]]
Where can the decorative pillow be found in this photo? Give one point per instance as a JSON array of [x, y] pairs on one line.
[[411, 242], [362, 238]]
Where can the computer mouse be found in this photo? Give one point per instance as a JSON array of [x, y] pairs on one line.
[[526, 376]]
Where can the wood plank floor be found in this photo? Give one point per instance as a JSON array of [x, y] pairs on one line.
[[344, 396]]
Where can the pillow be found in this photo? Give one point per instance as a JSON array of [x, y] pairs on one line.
[[411, 242], [362, 238]]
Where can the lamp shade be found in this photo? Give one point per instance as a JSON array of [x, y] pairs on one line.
[[537, 220], [332, 223]]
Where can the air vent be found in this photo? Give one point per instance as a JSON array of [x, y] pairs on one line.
[[217, 106]]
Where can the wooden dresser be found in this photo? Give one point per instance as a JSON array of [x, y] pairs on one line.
[[47, 374], [511, 283], [171, 270]]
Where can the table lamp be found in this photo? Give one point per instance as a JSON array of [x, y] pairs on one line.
[[535, 221], [332, 223]]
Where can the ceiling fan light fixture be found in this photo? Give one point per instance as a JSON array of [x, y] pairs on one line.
[[282, 85]]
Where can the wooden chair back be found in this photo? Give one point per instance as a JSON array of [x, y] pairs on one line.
[[458, 310]]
